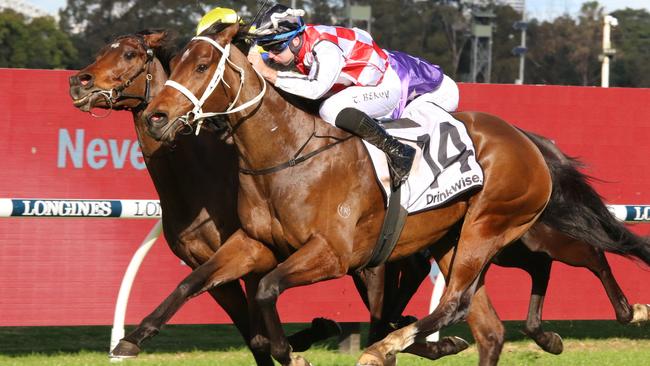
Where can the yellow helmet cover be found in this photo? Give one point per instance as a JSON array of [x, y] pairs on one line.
[[224, 15]]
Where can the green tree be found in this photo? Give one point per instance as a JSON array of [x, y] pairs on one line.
[[566, 50], [587, 38], [13, 33], [632, 41], [505, 65], [36, 43], [93, 23]]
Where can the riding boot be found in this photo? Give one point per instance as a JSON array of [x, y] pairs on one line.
[[400, 156]]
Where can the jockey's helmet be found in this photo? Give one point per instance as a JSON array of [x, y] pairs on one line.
[[222, 15], [278, 26]]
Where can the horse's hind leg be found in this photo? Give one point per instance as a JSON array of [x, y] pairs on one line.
[[485, 231], [579, 254], [538, 266], [472, 257]]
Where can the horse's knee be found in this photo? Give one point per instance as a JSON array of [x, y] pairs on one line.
[[496, 338], [267, 292]]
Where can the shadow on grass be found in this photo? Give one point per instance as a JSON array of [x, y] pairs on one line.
[[16, 341]]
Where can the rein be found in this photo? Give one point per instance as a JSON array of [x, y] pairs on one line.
[[197, 114], [116, 94], [297, 159]]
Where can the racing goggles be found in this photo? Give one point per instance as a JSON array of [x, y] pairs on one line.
[[275, 47]]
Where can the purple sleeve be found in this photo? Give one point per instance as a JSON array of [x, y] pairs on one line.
[[418, 77]]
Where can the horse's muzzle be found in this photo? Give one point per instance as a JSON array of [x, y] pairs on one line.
[[158, 126]]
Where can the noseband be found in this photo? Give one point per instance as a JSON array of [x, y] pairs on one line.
[[197, 114]]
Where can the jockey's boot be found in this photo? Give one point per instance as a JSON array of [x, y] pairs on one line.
[[400, 156]]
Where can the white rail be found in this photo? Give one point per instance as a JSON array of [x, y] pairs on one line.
[[99, 208]]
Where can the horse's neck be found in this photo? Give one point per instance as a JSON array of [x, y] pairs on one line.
[[213, 165], [272, 132]]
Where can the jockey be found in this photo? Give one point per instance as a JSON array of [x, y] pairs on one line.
[[343, 65]]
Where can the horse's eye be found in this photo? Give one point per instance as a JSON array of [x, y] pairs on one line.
[[130, 55], [202, 68]]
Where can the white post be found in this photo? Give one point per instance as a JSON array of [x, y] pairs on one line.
[[522, 57], [117, 332], [438, 289], [608, 51]]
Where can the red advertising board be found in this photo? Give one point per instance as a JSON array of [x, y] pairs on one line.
[[68, 271]]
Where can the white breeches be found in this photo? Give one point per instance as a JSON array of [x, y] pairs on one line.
[[446, 96], [376, 101]]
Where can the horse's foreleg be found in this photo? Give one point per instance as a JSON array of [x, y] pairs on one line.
[[315, 261], [377, 286], [401, 281], [232, 299], [236, 258], [413, 270]]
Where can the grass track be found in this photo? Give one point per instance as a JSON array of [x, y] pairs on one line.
[[586, 343]]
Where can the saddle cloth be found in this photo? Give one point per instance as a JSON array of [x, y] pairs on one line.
[[445, 165]]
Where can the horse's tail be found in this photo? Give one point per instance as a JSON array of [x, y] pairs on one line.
[[578, 211]]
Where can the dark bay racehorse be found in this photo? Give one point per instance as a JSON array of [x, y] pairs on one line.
[[321, 218], [197, 193]]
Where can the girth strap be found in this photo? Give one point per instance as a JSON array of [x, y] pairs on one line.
[[390, 231]]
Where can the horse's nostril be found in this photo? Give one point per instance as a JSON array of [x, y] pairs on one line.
[[85, 79], [157, 118]]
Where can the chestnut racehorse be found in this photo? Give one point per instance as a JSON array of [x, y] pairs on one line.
[[321, 218], [485, 326]]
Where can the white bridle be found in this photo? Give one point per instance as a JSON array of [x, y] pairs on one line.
[[197, 113]]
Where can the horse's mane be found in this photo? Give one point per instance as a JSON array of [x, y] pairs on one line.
[[165, 51], [242, 40]]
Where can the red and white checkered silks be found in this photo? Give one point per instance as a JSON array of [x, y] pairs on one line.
[[365, 61]]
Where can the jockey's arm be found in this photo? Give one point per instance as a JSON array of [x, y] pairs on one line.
[[324, 72]]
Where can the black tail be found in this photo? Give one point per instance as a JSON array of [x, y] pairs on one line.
[[578, 211]]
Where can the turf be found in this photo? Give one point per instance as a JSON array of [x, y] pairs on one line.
[[586, 343]]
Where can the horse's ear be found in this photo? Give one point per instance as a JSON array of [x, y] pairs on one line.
[[156, 39], [229, 33]]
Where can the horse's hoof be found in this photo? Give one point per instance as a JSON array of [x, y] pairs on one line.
[[297, 360], [371, 358], [640, 313], [457, 344], [327, 327], [124, 350], [552, 343]]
